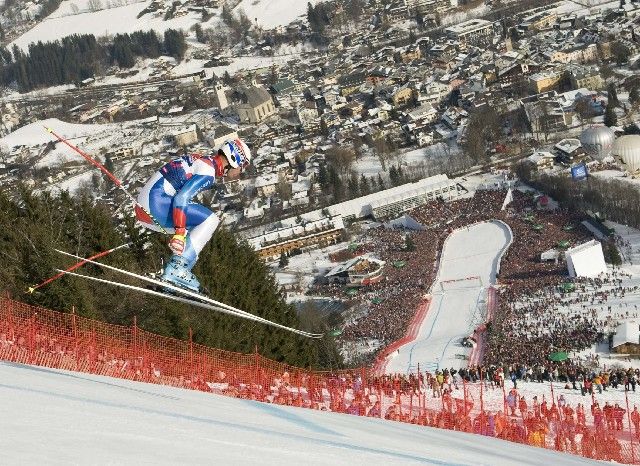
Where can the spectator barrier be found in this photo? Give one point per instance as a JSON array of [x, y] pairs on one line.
[[480, 405]]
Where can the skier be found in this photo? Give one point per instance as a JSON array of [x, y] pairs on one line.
[[168, 197]]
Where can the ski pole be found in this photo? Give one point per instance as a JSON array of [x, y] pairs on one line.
[[78, 264], [110, 175]]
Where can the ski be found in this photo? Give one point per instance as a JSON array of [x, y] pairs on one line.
[[188, 296]]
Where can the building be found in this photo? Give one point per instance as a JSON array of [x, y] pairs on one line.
[[423, 115], [299, 236], [586, 77], [186, 137], [626, 340], [220, 134], [359, 271], [474, 31], [220, 97], [121, 153], [542, 160], [539, 21], [582, 53], [586, 260], [308, 115], [569, 149], [254, 104], [545, 113], [402, 96], [267, 185], [544, 81]]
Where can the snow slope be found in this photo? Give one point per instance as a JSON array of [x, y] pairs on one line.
[[35, 134], [453, 314], [58, 417], [103, 22], [271, 13]]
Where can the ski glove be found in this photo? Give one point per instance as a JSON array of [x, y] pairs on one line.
[[177, 242]]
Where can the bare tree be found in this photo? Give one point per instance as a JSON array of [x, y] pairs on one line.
[[341, 158], [95, 5]]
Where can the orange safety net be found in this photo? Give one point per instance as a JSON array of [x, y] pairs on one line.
[[33, 335]]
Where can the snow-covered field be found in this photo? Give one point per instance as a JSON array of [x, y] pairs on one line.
[[586, 7], [35, 133], [104, 22], [271, 13], [58, 417], [454, 313]]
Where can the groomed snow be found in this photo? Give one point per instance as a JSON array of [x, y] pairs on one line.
[[454, 313], [58, 417]]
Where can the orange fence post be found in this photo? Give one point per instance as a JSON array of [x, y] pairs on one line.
[[633, 453], [135, 339], [255, 375], [481, 392], [74, 327], [191, 353]]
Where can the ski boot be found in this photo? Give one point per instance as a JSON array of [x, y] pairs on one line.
[[177, 273]]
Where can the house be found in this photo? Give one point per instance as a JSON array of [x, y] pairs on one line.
[[266, 185], [351, 82], [423, 115], [308, 115], [626, 340], [545, 80], [220, 134], [586, 77], [542, 160], [253, 104], [186, 137], [475, 32], [569, 149], [402, 96]]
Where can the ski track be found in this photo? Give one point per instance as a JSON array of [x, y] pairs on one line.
[[453, 314], [58, 417]]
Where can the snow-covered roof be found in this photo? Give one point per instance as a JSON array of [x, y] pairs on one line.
[[627, 332]]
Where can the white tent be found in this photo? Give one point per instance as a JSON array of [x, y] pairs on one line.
[[586, 260], [405, 222], [508, 199]]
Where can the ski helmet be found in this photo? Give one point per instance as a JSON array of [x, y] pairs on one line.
[[236, 152]]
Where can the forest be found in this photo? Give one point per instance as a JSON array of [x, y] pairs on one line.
[[34, 225], [75, 58]]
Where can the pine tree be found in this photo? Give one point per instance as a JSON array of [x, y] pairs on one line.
[[352, 186], [174, 43], [612, 94], [634, 95], [200, 35], [108, 163], [393, 176], [610, 117], [323, 177], [408, 243], [381, 184], [284, 260], [364, 185]]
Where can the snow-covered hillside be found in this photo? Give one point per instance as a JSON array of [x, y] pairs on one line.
[[35, 133], [104, 22], [271, 13], [58, 417]]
